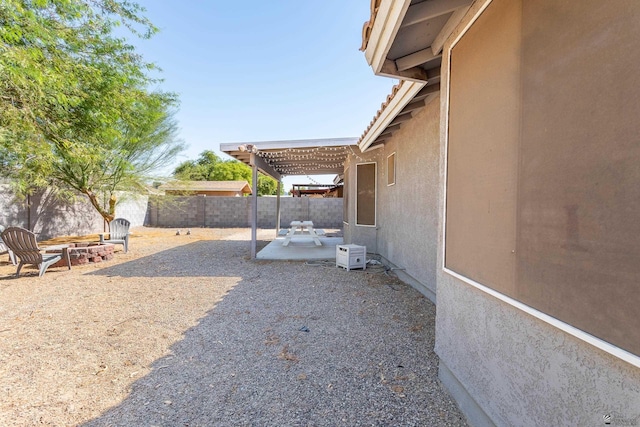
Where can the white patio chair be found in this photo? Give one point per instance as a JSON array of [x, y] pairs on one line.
[[4, 249], [24, 245], [118, 233]]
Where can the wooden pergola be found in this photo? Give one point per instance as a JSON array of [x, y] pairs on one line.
[[294, 157]]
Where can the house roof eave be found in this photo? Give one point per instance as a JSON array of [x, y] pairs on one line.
[[386, 18], [399, 99]]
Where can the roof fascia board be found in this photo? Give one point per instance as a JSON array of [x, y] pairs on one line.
[[385, 27], [404, 96]]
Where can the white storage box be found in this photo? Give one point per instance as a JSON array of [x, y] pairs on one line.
[[351, 256]]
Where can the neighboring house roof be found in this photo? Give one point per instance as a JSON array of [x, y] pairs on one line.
[[199, 186]]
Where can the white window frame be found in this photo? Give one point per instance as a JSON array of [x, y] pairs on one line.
[[393, 182], [375, 195]]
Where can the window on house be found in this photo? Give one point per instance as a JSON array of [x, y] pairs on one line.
[[391, 169], [542, 163], [366, 194]]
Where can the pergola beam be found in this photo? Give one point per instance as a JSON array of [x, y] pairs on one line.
[[264, 167]]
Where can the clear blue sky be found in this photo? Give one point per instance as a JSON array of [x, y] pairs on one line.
[[259, 70]]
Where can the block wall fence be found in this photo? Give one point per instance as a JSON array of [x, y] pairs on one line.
[[49, 217], [221, 212]]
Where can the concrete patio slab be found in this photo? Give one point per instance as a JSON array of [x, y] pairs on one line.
[[300, 248]]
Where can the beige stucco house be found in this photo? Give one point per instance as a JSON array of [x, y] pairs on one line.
[[501, 178]]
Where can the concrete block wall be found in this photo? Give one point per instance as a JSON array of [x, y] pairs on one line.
[[326, 213], [295, 209], [229, 212], [48, 216], [181, 211], [51, 217], [198, 211], [133, 208]]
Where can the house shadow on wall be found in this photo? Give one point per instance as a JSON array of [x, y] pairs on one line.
[[48, 215]]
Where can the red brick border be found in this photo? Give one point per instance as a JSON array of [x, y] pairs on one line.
[[84, 253]]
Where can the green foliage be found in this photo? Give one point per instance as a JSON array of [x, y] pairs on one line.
[[210, 167], [267, 186], [75, 109]]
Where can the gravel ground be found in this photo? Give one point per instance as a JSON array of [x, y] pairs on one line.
[[188, 331]]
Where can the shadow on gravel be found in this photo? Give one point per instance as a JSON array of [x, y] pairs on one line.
[[290, 345], [197, 259]]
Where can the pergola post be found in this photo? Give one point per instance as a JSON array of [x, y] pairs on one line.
[[278, 208], [254, 206]]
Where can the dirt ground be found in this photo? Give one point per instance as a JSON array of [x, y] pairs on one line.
[[73, 342], [187, 330]]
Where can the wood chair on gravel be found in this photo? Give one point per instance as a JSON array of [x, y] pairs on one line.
[[4, 249], [118, 233], [24, 246]]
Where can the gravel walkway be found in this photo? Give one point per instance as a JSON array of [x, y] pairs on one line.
[[187, 331]]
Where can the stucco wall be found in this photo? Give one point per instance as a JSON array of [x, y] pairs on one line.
[[524, 372], [510, 368], [406, 233]]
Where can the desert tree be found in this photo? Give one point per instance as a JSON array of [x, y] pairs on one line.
[[76, 110]]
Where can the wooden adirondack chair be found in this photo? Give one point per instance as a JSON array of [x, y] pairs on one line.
[[25, 247], [118, 233], [4, 249]]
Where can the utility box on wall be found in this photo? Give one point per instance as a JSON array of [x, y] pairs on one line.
[[351, 256]]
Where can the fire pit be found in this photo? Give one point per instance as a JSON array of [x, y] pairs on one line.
[[84, 253]]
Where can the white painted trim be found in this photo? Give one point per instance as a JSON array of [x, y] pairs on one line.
[[385, 27], [375, 147], [375, 195], [466, 27], [405, 94], [395, 158], [565, 327], [571, 330]]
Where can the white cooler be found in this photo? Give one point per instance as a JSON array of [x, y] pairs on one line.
[[351, 256]]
